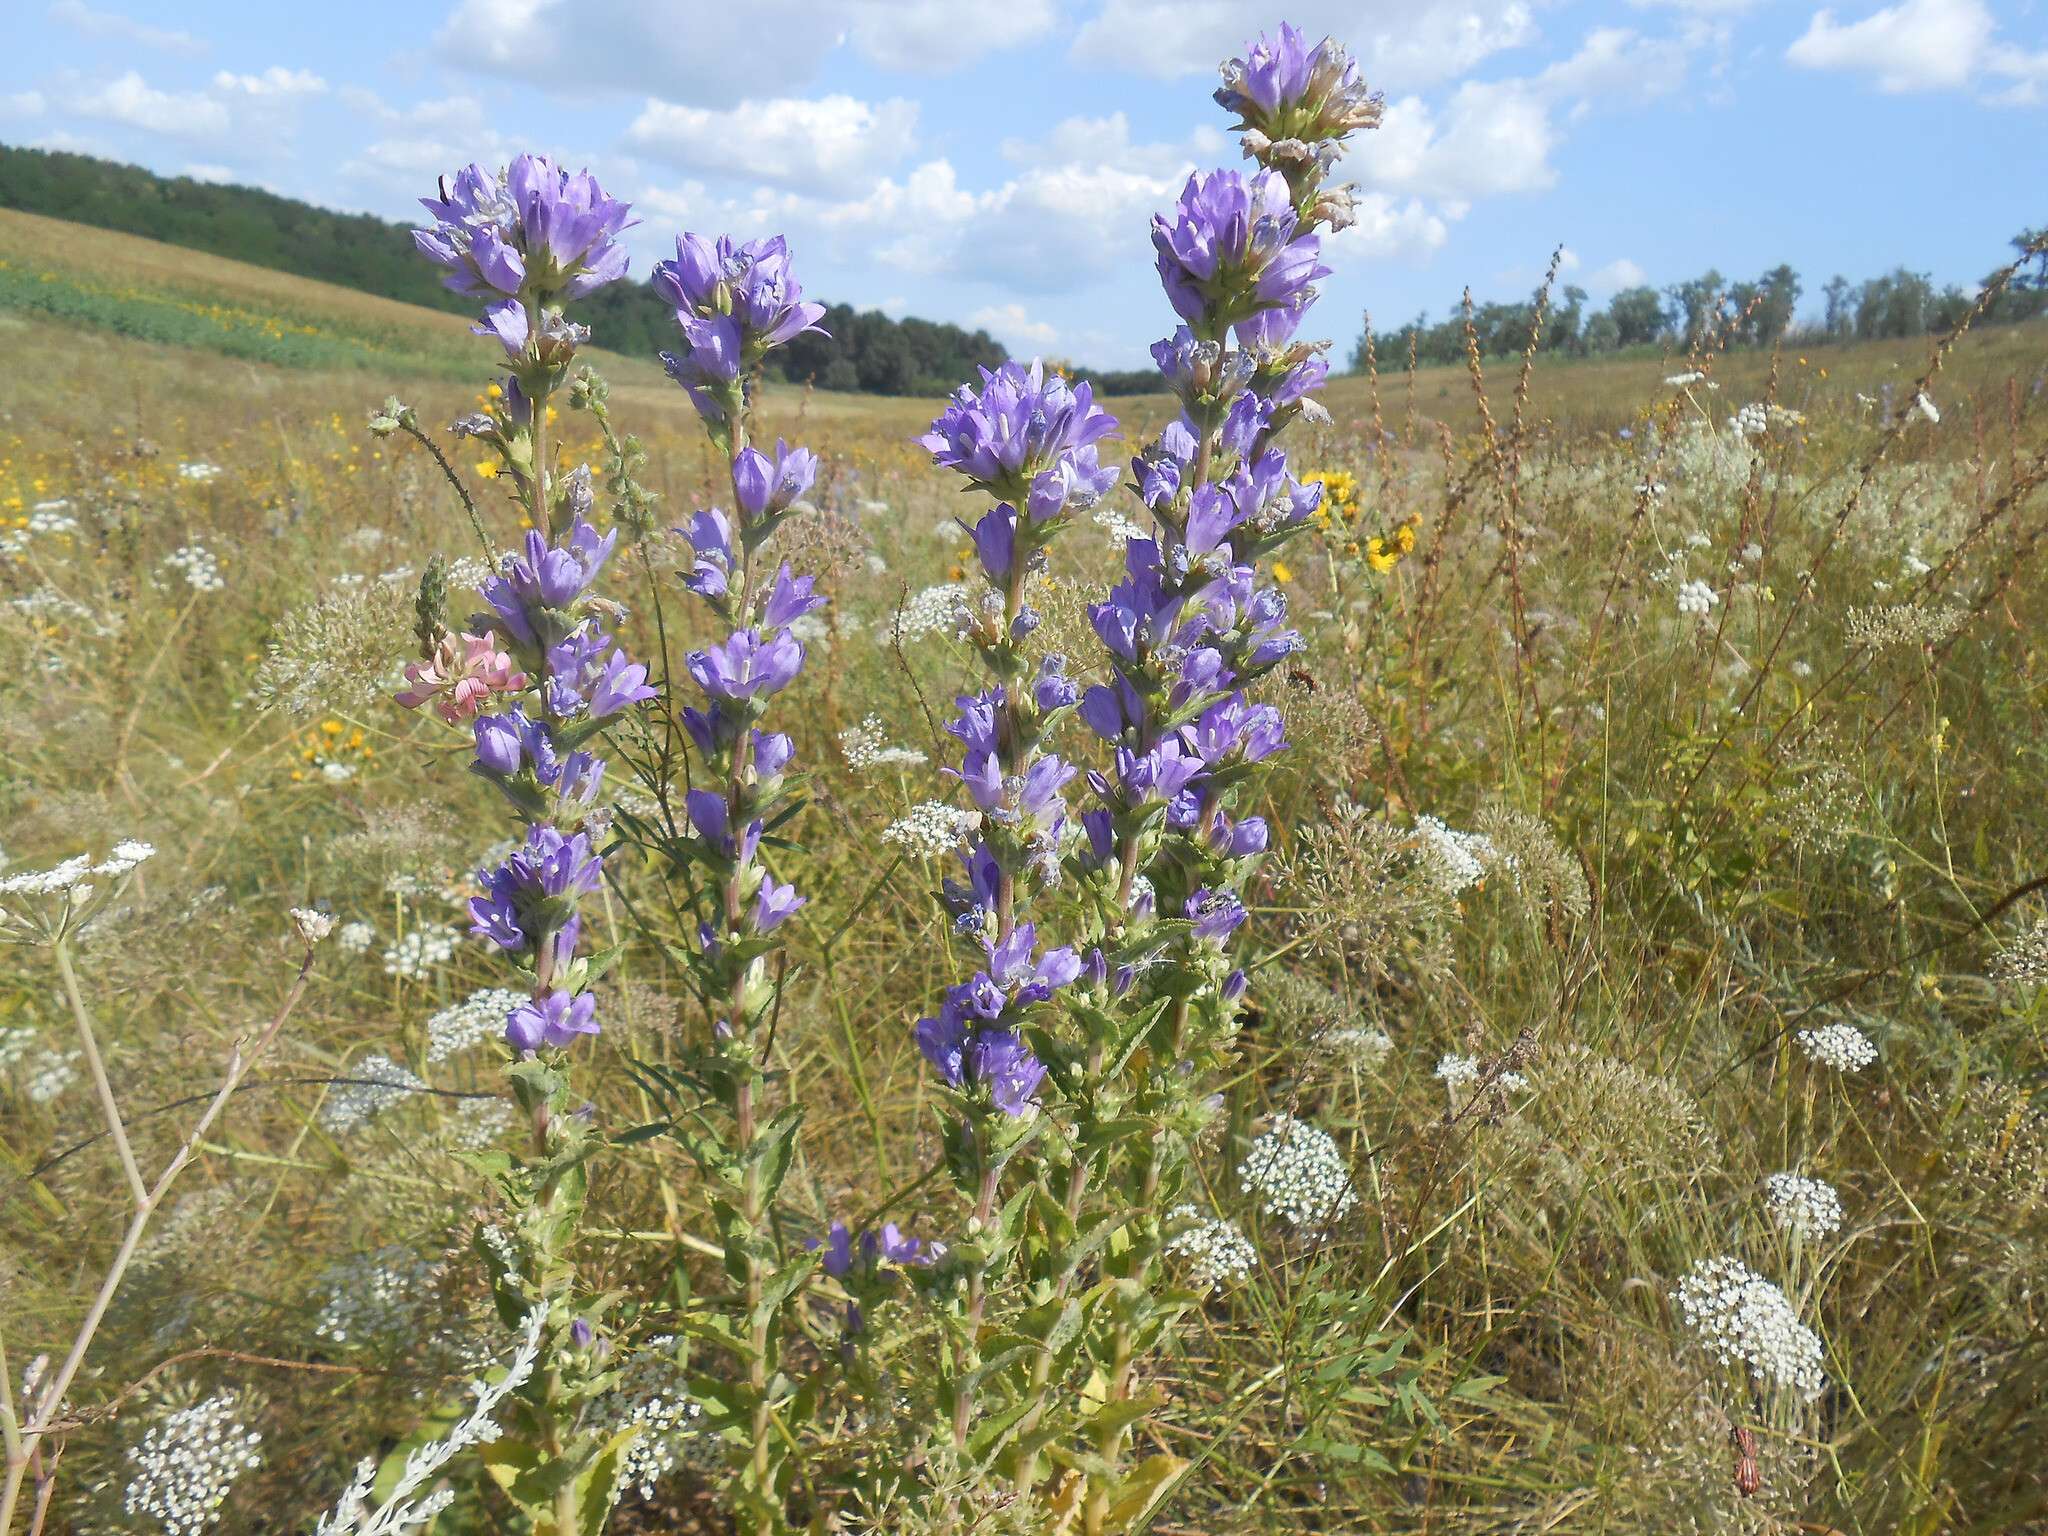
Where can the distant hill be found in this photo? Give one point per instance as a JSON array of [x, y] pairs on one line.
[[866, 351]]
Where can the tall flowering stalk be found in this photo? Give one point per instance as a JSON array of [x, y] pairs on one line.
[[734, 304], [537, 679], [1026, 442], [1189, 629]]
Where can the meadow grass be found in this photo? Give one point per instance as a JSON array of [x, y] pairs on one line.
[[1752, 729]]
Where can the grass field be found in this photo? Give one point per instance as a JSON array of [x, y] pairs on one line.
[[1742, 737]]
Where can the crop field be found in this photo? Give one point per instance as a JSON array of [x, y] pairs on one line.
[[1630, 1121]]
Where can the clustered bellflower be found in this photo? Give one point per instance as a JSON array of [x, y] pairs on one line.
[[539, 674]]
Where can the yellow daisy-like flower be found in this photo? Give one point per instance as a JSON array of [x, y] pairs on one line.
[[1379, 557], [487, 470], [1281, 573]]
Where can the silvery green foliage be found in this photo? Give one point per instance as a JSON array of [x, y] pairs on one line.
[[400, 1511]]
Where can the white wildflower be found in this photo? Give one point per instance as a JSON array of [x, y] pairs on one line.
[[1926, 408], [1298, 1174], [199, 471], [352, 1515], [198, 566], [1697, 599], [357, 938], [1359, 1044], [420, 953], [1454, 860], [1457, 1071], [1680, 380], [377, 1083], [312, 926], [187, 1463], [477, 1018], [651, 1393], [1216, 1253], [935, 610], [372, 1298], [1741, 1318], [1843, 1047], [1801, 1206], [51, 1074], [478, 1123], [931, 829], [867, 746]]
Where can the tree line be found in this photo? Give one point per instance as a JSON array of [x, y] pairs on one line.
[[866, 350], [1761, 312]]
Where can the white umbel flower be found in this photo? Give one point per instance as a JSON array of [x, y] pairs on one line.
[[930, 829], [1842, 1047], [379, 1083], [651, 1393], [867, 746], [1696, 599], [1215, 1252], [187, 1464], [311, 925], [1740, 1318], [1298, 1174], [477, 1018], [1801, 1206]]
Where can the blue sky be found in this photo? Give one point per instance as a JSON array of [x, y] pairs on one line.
[[995, 162]]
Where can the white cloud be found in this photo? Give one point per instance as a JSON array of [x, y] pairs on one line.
[[1012, 324], [1407, 43], [686, 53], [1618, 274], [820, 145], [203, 171], [1926, 45], [133, 102], [934, 36], [107, 24], [24, 104], [274, 82], [1918, 45], [1388, 230], [1496, 137]]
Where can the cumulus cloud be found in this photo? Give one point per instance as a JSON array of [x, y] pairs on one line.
[[1616, 275], [1496, 137], [686, 53], [108, 24], [1923, 45], [831, 142], [24, 104], [1404, 43], [274, 83], [132, 102], [1015, 327]]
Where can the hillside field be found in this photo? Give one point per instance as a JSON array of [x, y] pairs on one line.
[[1662, 815]]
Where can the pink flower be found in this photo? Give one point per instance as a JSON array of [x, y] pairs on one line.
[[463, 674]]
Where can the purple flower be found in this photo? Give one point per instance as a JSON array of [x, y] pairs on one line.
[[1216, 915], [1000, 1061], [546, 577], [772, 753], [1230, 248], [774, 904], [745, 665], [765, 487], [789, 600], [1053, 689], [838, 1246], [710, 367], [620, 685], [752, 283], [1285, 90], [1017, 425], [943, 1040], [535, 230], [895, 1247], [711, 537], [1200, 371], [555, 1019], [995, 541], [500, 743], [1074, 484]]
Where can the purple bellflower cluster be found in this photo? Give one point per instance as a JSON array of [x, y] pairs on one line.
[[527, 240], [1026, 441], [1193, 625], [734, 303]]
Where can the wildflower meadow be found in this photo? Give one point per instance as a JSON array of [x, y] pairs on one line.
[[635, 948]]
